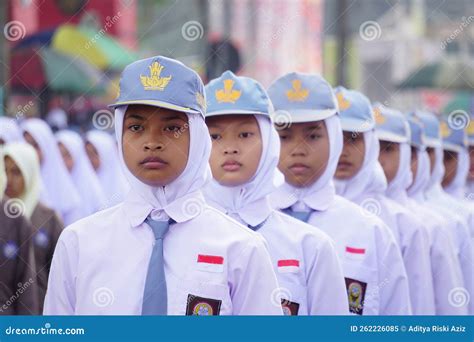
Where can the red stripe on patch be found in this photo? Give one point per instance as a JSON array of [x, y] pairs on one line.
[[210, 259], [290, 262], [355, 250]]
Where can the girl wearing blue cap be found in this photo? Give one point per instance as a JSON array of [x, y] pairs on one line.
[[311, 143], [163, 250], [361, 179], [445, 268], [244, 162]]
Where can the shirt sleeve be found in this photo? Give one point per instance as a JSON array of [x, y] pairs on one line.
[[393, 281], [61, 293], [27, 303], [253, 283], [324, 278]]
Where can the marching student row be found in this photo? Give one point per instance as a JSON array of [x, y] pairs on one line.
[[300, 199]]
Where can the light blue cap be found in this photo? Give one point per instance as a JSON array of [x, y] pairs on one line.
[[231, 94], [470, 132], [391, 125], [431, 128], [355, 110], [162, 82], [454, 138], [416, 131], [303, 97]]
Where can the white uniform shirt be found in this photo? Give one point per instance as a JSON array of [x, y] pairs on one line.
[[100, 263]]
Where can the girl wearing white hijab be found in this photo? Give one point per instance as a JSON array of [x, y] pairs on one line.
[[364, 243], [9, 131], [440, 201], [82, 173], [58, 191], [446, 270], [361, 179], [244, 164], [103, 153], [187, 258], [24, 183]]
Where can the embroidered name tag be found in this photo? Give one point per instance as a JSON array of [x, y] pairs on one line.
[[210, 263], [288, 266], [200, 306], [356, 294]]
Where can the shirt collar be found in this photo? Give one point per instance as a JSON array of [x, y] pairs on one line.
[[286, 196], [253, 214]]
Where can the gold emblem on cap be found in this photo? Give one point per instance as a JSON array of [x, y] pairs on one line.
[[201, 101], [379, 118], [342, 102], [154, 81], [444, 130], [470, 128], [228, 94], [297, 93]]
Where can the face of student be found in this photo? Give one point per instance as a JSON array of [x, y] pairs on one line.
[[389, 158], [450, 160], [352, 156], [432, 155], [471, 163], [155, 143], [93, 155], [414, 161], [30, 140], [304, 152], [236, 148], [67, 158], [15, 181]]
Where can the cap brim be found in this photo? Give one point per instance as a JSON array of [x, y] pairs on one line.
[[234, 112], [154, 103], [304, 115], [451, 147], [432, 142], [356, 125], [390, 136]]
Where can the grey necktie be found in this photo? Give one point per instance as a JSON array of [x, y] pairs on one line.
[[300, 215]]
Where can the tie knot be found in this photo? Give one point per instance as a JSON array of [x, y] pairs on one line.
[[159, 228]]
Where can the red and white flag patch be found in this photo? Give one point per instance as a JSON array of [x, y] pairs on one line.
[[210, 263], [353, 252], [288, 266]]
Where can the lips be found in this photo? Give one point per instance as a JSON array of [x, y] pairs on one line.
[[343, 165], [231, 165], [299, 168], [153, 163]]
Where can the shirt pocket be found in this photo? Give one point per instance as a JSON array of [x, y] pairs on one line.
[[363, 290], [293, 298], [193, 297]]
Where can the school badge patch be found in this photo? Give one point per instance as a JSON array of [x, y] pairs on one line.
[[41, 238], [10, 250], [200, 306], [290, 308], [356, 294]]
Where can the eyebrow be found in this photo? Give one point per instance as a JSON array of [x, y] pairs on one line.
[[313, 127], [134, 116], [218, 125], [164, 118]]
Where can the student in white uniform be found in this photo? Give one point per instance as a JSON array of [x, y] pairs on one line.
[[310, 151], [469, 195], [79, 166], [244, 162], [443, 203], [360, 178], [58, 191], [102, 151], [445, 268], [162, 251]]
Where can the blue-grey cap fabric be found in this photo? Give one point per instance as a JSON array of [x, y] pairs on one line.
[[417, 136], [303, 97], [454, 138], [231, 94], [391, 125], [431, 128], [355, 110], [162, 82]]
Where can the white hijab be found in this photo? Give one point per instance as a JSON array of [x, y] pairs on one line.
[[370, 179], [25, 157], [239, 201], [320, 194], [192, 179], [3, 175], [9, 130], [83, 175], [396, 189], [457, 187], [111, 177], [58, 190], [422, 177]]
